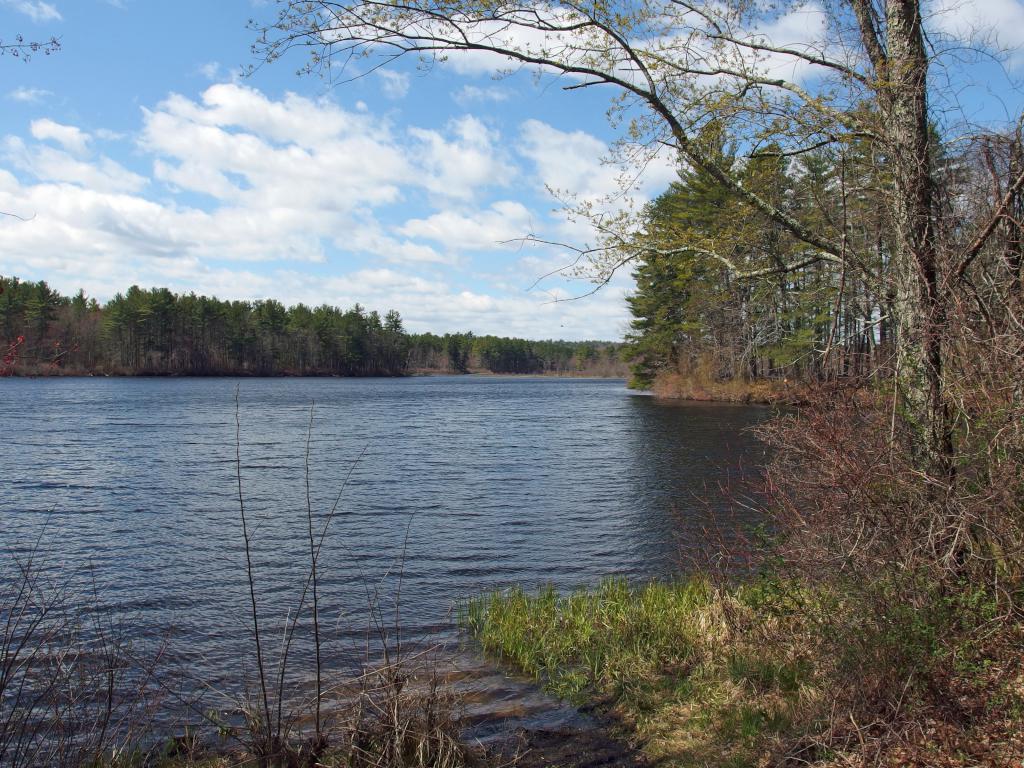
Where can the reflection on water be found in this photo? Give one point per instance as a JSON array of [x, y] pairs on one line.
[[458, 484]]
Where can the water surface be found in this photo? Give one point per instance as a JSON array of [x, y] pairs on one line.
[[455, 485]]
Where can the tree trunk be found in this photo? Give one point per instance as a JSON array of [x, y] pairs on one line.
[[919, 306]]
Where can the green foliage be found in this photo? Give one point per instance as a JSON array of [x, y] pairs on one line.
[[458, 346], [707, 676], [716, 292], [157, 331], [677, 290], [507, 355]]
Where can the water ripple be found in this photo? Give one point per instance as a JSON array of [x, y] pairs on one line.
[[497, 481]]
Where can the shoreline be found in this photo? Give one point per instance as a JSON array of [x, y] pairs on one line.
[[747, 393], [288, 375], [678, 386]]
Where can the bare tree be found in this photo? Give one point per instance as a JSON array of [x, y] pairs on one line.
[[676, 65]]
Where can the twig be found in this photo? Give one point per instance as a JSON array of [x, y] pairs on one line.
[[249, 571]]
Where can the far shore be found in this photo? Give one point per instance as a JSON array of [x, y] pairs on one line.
[[61, 373]]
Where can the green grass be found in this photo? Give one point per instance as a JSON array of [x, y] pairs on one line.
[[680, 663], [571, 642]]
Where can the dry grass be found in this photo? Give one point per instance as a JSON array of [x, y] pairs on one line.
[[695, 386], [72, 690]]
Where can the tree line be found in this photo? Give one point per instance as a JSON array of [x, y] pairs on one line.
[[158, 332], [465, 352]]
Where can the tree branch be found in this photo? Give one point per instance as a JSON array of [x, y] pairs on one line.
[[982, 237]]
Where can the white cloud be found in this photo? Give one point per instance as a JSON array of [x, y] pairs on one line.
[[436, 305], [994, 25], [68, 136], [242, 148], [92, 227], [568, 160], [53, 165], [293, 119], [509, 34], [469, 94], [104, 242], [481, 230], [107, 135], [574, 161], [210, 70], [367, 236], [37, 10], [284, 178], [455, 167], [239, 178], [394, 84], [29, 94], [803, 29]]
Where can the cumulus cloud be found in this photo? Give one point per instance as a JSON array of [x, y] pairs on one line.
[[519, 32], [107, 135], [299, 199], [470, 94], [71, 138], [471, 156], [575, 162], [282, 178], [803, 29], [53, 165], [479, 230], [210, 70], [239, 147], [370, 238], [994, 25], [430, 305], [568, 160]]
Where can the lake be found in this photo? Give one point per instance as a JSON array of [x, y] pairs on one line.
[[455, 485]]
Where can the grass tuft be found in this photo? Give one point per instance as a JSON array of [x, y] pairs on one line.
[[682, 665]]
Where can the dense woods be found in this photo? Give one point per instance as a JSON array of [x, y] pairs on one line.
[[157, 332], [746, 318]]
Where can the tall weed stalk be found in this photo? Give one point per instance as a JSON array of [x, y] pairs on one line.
[[395, 714]]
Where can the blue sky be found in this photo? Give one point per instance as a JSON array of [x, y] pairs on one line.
[[143, 157]]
